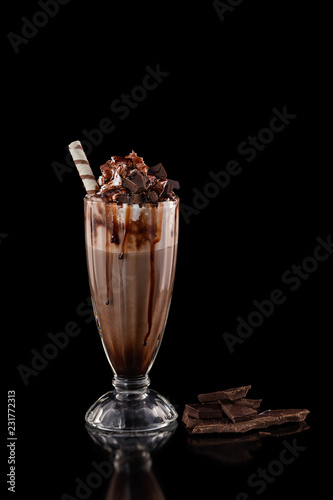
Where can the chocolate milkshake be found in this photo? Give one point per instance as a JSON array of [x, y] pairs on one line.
[[131, 228]]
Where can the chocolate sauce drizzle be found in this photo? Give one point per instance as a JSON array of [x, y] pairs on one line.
[[107, 258], [128, 218], [150, 232], [111, 227], [156, 236]]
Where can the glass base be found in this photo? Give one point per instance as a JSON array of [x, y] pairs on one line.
[[131, 408]]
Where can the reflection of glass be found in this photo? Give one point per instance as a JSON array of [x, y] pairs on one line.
[[131, 256], [133, 477]]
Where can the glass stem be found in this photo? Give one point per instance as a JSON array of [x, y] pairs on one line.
[[131, 386]]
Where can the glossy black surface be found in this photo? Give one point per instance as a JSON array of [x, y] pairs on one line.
[[255, 234]]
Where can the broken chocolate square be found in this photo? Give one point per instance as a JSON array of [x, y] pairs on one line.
[[158, 170], [122, 198], [198, 410], [130, 185], [152, 196], [239, 410], [174, 184], [140, 180], [136, 198], [237, 413], [251, 403], [227, 395]]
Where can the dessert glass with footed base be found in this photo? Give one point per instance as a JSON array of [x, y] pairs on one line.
[[131, 257]]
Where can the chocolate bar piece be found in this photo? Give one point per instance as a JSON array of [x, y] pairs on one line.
[[227, 395], [122, 198], [129, 184], [198, 410], [158, 170], [191, 422], [174, 184], [261, 421], [136, 182], [237, 413], [152, 196], [250, 403], [136, 198]]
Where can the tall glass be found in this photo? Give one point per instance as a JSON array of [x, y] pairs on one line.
[[131, 256]]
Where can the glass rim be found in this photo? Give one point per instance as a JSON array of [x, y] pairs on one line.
[[90, 199]]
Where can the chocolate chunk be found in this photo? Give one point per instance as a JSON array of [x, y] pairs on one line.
[[136, 198], [167, 191], [124, 177], [122, 198], [250, 403], [191, 422], [140, 180], [152, 196], [174, 184], [135, 183], [159, 186], [158, 170], [129, 184], [228, 395], [237, 413], [198, 410], [261, 421]]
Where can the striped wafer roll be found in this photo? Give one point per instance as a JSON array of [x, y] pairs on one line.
[[83, 166]]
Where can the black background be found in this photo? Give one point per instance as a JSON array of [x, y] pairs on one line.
[[224, 77]]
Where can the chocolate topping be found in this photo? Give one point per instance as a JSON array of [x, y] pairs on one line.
[[152, 196], [158, 170], [174, 184], [129, 180]]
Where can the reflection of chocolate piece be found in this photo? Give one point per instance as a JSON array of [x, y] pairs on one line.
[[198, 410], [229, 450], [288, 430], [237, 413], [228, 395], [240, 448], [272, 417], [158, 170]]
